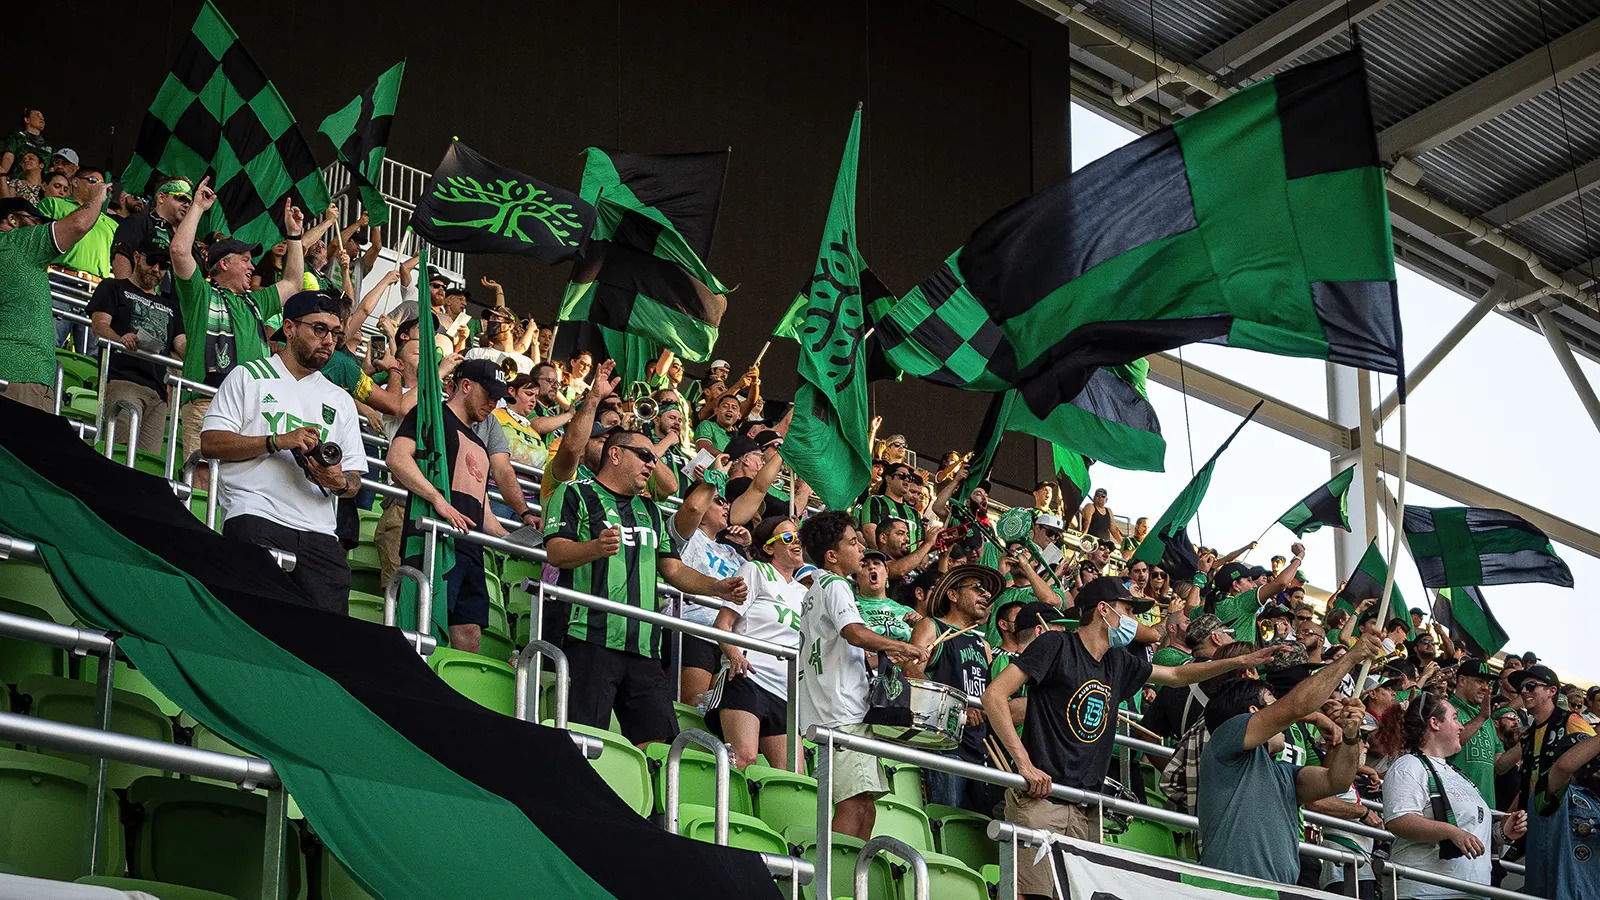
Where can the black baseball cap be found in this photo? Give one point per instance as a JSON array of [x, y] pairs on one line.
[[1233, 572], [1035, 613], [229, 246], [1537, 674], [878, 555], [154, 252], [1476, 668], [1108, 590], [739, 445], [484, 373], [302, 304], [20, 205]]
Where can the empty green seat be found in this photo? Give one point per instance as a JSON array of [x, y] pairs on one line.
[[489, 682], [622, 766], [367, 607], [689, 716], [334, 881], [19, 658], [72, 702], [203, 835], [496, 644], [905, 782], [81, 404], [880, 874], [43, 817], [129, 679], [899, 819], [77, 370], [948, 879], [512, 574], [962, 834], [697, 779], [1145, 836], [158, 889], [367, 525], [497, 597], [783, 799], [204, 738], [30, 583], [366, 581], [991, 875], [744, 832], [364, 556]]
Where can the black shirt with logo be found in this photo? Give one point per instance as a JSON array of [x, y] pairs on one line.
[[963, 663], [154, 317], [1072, 706]]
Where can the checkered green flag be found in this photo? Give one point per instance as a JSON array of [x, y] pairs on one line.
[[361, 132], [217, 112]]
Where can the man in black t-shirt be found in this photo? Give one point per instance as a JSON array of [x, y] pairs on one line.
[[479, 385], [1076, 680], [129, 311], [156, 226]]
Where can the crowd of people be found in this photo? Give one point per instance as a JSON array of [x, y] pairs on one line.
[[1060, 634]]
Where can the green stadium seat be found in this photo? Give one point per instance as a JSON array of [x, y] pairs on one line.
[[905, 782], [963, 835], [30, 583], [127, 678], [77, 370], [204, 738], [366, 607], [158, 889], [496, 644], [72, 702], [991, 875], [783, 799], [948, 879], [19, 658], [744, 832], [622, 766], [43, 824], [367, 525], [698, 779], [689, 717], [880, 874], [204, 835], [81, 404], [363, 580], [364, 556], [334, 882], [497, 597], [488, 682], [1145, 836], [145, 461], [513, 572], [899, 819], [521, 628]]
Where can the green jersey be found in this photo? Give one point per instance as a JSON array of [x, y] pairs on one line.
[[709, 430], [92, 252], [224, 328], [886, 617], [583, 509], [1475, 760], [1239, 613], [1171, 656], [28, 340], [881, 508]]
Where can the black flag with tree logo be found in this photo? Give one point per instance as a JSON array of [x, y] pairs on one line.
[[474, 205]]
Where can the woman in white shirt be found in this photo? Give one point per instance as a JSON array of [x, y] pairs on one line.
[[749, 703], [1441, 823]]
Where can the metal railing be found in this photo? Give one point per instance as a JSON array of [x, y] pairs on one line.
[[400, 186], [674, 779]]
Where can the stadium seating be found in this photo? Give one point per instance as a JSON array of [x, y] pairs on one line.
[[1145, 836], [43, 824], [963, 835], [332, 881], [365, 581], [204, 738], [127, 678], [899, 819], [783, 799], [19, 659], [622, 766], [905, 782], [689, 717], [744, 832], [366, 607], [30, 583], [948, 879], [364, 557], [77, 370], [153, 888], [489, 682], [80, 403], [880, 873], [697, 778], [203, 835], [72, 702]]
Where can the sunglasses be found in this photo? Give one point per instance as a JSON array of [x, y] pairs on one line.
[[1302, 618], [1530, 685], [647, 457], [900, 476], [897, 443], [787, 537]]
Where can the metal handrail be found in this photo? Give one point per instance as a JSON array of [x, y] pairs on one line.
[[530, 711], [246, 771], [674, 776], [886, 844]]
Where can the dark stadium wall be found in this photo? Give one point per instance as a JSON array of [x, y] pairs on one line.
[[967, 111]]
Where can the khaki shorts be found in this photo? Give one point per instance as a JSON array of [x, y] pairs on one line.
[[1069, 819], [38, 396], [386, 537], [194, 416], [858, 773], [152, 413]]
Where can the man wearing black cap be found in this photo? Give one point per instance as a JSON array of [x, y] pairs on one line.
[[1554, 730], [1482, 755], [1249, 588], [225, 321], [156, 226], [479, 386], [268, 418], [1075, 684], [130, 312], [28, 339]]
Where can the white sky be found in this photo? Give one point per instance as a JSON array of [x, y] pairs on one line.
[[1498, 411]]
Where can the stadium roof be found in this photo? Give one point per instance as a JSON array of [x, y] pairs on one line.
[[1475, 131]]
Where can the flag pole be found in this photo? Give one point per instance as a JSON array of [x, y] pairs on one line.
[[761, 354], [1394, 547]]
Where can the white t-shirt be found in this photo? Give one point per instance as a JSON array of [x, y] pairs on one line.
[[1405, 790], [713, 560], [261, 397], [833, 672], [771, 612], [498, 357]]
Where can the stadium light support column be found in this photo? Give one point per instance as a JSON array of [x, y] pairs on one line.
[[1349, 403], [1569, 364], [1452, 338]]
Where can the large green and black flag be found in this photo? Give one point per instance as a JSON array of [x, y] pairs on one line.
[[1168, 544], [642, 271], [418, 790], [1465, 614], [217, 113], [997, 420], [360, 131], [1461, 546], [1260, 222], [474, 205], [430, 455], [1366, 583], [827, 441], [1327, 505]]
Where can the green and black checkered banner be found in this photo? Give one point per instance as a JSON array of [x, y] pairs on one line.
[[217, 113], [361, 132], [1464, 546], [1260, 222]]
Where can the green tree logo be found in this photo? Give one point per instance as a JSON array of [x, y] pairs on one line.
[[514, 203], [835, 327]]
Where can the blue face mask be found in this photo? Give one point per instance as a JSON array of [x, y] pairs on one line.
[[1125, 631]]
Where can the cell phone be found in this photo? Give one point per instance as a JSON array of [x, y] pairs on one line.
[[380, 344]]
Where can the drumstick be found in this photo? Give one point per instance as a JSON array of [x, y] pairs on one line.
[[952, 634], [997, 753], [1147, 733]]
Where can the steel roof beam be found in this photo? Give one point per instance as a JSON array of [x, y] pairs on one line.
[[1587, 274], [1574, 52], [1552, 193], [1287, 35]]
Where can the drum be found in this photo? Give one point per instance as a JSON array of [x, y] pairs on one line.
[[938, 716]]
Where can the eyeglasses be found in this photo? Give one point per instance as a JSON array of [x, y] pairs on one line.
[[1530, 685], [786, 537], [90, 179], [549, 381], [320, 331], [645, 456]]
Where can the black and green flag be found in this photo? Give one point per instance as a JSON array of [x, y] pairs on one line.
[[642, 270], [827, 441], [1260, 222], [1327, 505], [360, 131], [1168, 544], [475, 205], [1366, 583], [416, 789], [435, 466], [1465, 614], [1462, 546], [217, 113]]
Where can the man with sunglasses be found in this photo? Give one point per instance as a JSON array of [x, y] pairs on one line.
[[131, 312], [267, 417], [1554, 731], [894, 502], [92, 253]]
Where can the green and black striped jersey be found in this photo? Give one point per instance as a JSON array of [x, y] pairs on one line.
[[881, 508], [581, 510]]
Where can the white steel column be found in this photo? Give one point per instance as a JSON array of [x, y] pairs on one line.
[[1349, 400], [1551, 326]]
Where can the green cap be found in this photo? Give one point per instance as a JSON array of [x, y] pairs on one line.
[[177, 187]]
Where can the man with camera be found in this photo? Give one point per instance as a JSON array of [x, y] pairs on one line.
[[290, 445]]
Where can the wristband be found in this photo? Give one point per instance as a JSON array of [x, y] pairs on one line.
[[293, 237], [272, 444]]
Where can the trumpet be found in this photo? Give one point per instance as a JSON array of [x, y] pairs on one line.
[[645, 409]]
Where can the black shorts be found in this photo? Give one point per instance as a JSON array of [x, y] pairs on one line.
[[466, 592], [321, 570], [744, 694], [633, 686], [699, 654]]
